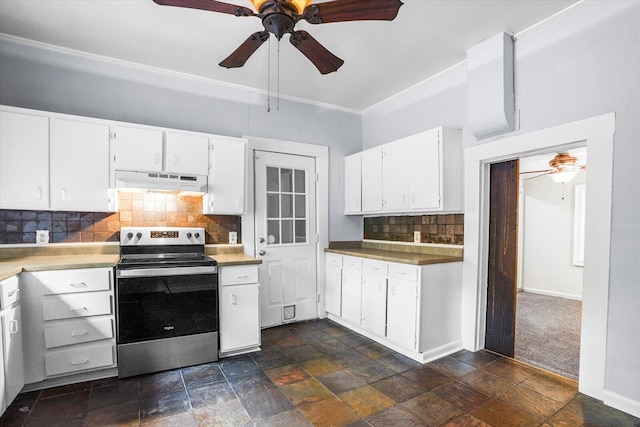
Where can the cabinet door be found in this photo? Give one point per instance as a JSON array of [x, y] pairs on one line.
[[187, 153], [424, 169], [226, 177], [137, 149], [353, 184], [239, 317], [13, 355], [372, 180], [24, 161], [395, 186], [374, 303], [80, 166], [402, 309], [351, 295], [333, 290]]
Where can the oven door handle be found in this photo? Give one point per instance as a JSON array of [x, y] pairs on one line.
[[177, 271]]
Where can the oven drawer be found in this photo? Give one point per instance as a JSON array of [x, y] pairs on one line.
[[77, 331], [63, 362], [76, 305], [68, 281], [238, 275]]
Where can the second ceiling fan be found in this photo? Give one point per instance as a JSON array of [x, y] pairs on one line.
[[279, 17]]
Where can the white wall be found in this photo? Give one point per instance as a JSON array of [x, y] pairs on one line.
[[547, 264], [64, 82], [579, 65]]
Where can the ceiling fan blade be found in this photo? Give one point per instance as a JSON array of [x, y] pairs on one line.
[[352, 10], [210, 5], [325, 61], [245, 50], [539, 171]]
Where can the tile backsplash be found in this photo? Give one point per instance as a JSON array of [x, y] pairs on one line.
[[446, 228], [149, 209]]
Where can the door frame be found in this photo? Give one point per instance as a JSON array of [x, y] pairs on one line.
[[598, 134], [321, 155]]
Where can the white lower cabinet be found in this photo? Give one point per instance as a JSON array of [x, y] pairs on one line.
[[413, 309], [11, 350], [333, 299], [239, 309], [71, 327]]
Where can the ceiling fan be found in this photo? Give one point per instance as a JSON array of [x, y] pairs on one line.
[[563, 168], [279, 17]]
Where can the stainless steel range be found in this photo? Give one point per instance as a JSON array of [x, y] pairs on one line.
[[166, 300]]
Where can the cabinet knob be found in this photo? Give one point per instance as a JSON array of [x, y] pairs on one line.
[[262, 252]]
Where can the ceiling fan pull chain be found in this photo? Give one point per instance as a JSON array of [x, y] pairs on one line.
[[278, 82], [269, 78]]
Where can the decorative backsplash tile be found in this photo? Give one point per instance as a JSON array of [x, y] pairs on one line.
[[150, 209], [447, 228]]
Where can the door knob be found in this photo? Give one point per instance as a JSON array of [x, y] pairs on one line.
[[262, 252], [261, 240]]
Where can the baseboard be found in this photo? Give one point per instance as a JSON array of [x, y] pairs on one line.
[[552, 294], [622, 403], [442, 351]]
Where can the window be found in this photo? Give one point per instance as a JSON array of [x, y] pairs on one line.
[[286, 206]]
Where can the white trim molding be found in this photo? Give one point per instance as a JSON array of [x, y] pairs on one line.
[[622, 403], [597, 134]]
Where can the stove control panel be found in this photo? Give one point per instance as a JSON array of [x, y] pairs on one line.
[[141, 236]]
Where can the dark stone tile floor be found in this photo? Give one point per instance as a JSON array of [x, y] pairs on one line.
[[318, 373]]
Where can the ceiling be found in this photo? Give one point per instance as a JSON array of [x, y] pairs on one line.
[[381, 58]]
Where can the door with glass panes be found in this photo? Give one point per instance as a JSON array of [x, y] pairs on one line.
[[285, 216]]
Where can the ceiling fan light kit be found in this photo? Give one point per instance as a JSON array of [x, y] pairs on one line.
[[279, 17]]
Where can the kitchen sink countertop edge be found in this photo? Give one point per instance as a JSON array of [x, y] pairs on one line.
[[401, 252]]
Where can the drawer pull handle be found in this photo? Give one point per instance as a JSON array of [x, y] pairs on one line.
[[234, 300], [13, 327], [244, 276], [13, 292], [80, 362], [78, 285], [403, 273], [78, 309], [78, 334]]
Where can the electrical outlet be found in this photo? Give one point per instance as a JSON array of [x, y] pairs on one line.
[[233, 237], [42, 237], [416, 237]]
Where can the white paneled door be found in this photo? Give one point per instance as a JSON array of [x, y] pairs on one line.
[[285, 215]]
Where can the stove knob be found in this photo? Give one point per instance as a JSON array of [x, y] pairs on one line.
[[197, 235], [129, 235], [139, 235], [188, 235]]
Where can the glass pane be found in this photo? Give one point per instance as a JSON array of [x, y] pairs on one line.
[[300, 206], [301, 231], [272, 179], [286, 175], [299, 181], [273, 208], [273, 229], [287, 231], [287, 205]]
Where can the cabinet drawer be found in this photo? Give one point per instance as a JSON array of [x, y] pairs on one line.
[[334, 260], [9, 292], [404, 271], [238, 275], [68, 281], [76, 305], [77, 331], [374, 266], [63, 362], [352, 263]]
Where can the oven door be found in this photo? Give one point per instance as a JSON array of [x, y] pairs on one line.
[[157, 303]]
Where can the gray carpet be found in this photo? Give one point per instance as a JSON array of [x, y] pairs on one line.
[[548, 333]]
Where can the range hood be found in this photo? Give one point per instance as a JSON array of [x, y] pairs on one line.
[[161, 181]]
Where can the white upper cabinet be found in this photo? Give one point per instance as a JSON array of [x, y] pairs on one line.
[[80, 166], [353, 183], [372, 180], [186, 153], [419, 173], [226, 180], [137, 148], [24, 160]]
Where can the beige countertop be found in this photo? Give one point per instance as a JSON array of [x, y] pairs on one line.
[[14, 261], [398, 252]]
